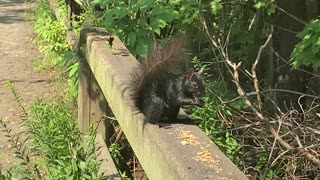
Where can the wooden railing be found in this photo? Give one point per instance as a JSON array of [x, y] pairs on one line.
[[180, 152]]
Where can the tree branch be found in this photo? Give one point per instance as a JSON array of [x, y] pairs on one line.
[[254, 74]]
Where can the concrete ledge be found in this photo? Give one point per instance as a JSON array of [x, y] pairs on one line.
[[181, 152]]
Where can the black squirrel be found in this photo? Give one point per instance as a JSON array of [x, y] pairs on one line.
[[157, 92]]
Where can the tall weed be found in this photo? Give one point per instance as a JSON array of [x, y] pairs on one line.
[[51, 33], [56, 149], [56, 138]]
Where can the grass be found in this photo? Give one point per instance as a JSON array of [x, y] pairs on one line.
[[57, 150]]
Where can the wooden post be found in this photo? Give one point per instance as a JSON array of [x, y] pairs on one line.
[[92, 105], [98, 108], [83, 97]]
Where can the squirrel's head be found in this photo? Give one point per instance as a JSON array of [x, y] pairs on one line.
[[193, 84]]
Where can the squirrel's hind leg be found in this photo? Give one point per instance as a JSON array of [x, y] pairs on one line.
[[154, 110], [172, 113]]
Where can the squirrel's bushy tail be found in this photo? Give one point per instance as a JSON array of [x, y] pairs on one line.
[[159, 60]]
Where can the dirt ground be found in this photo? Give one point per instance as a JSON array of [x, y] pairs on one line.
[[16, 55]]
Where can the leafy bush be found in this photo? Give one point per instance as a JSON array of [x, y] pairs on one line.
[[51, 40], [49, 30], [50, 37], [307, 51], [140, 23], [55, 137]]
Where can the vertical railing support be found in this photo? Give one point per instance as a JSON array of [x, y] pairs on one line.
[[92, 105]]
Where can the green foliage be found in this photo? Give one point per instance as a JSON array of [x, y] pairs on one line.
[[10, 86], [73, 79], [212, 118], [115, 151], [138, 22], [54, 122], [123, 175], [307, 51], [5, 176], [26, 169], [71, 65], [269, 5], [87, 17], [51, 39], [54, 134], [48, 29], [215, 6], [57, 151], [51, 36]]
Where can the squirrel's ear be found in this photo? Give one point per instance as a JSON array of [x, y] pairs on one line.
[[189, 73]]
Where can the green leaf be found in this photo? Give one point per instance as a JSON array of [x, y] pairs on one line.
[[215, 6], [228, 112], [271, 10], [131, 38], [318, 41], [145, 4], [82, 165], [259, 4], [157, 24], [73, 69], [316, 63], [108, 19], [121, 12], [307, 37], [143, 46], [165, 13]]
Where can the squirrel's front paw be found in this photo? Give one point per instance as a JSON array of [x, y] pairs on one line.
[[198, 102]]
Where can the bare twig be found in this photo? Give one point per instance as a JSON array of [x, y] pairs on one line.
[[276, 90], [254, 73], [119, 135], [272, 149], [292, 16], [108, 117]]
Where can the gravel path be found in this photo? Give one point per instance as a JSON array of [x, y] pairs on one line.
[[16, 55]]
